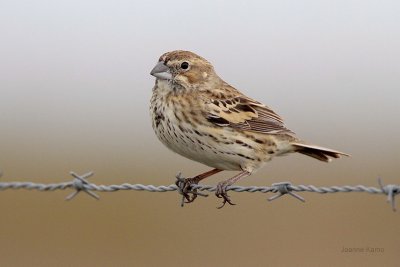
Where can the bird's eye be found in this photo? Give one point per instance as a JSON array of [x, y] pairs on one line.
[[185, 65]]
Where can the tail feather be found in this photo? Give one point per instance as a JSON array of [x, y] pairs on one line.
[[317, 152]]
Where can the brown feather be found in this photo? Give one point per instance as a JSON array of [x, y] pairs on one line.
[[247, 114], [317, 152]]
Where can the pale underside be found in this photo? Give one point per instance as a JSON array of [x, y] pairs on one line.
[[227, 134]]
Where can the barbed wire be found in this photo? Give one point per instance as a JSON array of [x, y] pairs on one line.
[[80, 183]]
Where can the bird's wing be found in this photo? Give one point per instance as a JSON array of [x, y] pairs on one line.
[[241, 112]]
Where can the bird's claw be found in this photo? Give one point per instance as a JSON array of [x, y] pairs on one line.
[[221, 193], [185, 189]]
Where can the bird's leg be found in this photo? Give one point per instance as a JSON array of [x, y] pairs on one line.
[[221, 187], [185, 184]]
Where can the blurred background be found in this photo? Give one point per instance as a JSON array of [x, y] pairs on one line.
[[75, 90]]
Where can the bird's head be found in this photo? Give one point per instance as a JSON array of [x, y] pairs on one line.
[[183, 68]]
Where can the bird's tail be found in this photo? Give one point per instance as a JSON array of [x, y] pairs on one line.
[[317, 152]]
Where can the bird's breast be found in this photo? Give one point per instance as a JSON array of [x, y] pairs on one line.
[[179, 125]]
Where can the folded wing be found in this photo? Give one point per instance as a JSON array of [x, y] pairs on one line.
[[245, 114]]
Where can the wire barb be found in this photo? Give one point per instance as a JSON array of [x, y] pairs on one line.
[[391, 191], [79, 183], [284, 188]]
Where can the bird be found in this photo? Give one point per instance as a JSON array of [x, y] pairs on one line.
[[198, 115]]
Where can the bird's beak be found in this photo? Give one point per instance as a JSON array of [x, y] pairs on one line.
[[161, 71]]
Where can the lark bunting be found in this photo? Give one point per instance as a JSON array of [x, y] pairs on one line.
[[199, 116]]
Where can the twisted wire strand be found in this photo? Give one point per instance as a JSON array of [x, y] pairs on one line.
[[80, 183]]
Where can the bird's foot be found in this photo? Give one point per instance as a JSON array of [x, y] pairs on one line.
[[185, 188], [221, 193]]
